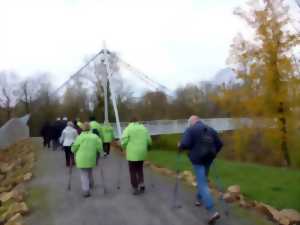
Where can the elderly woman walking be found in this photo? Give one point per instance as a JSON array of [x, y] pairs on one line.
[[67, 138], [107, 137], [136, 140], [85, 148]]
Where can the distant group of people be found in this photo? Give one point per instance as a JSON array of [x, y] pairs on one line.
[[83, 144], [89, 140], [51, 132]]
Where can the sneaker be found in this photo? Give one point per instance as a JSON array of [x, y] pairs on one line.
[[135, 191], [214, 218], [86, 194], [198, 204]]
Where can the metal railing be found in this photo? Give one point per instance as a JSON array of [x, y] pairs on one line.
[[158, 127]]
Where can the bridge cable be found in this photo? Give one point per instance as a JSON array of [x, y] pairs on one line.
[[77, 73], [144, 77]]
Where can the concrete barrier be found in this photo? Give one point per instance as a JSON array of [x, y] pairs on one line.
[[14, 130]]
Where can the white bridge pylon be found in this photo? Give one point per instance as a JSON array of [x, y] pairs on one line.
[[113, 96], [109, 64]]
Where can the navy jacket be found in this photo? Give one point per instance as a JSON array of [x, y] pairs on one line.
[[191, 141]]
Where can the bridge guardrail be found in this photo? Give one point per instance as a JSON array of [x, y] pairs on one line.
[[157, 127]]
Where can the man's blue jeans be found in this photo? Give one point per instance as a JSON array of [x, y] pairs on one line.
[[203, 194]]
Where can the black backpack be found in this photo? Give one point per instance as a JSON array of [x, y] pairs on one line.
[[207, 146]]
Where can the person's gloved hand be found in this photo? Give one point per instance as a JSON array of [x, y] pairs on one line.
[[178, 146]]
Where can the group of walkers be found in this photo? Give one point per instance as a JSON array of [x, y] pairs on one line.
[[83, 144], [51, 132], [92, 138]]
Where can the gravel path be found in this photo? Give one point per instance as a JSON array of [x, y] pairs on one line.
[[52, 204]]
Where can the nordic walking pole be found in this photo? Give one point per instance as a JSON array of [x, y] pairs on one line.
[[102, 177], [70, 173], [119, 176], [221, 189], [175, 204], [119, 172], [150, 174], [151, 178]]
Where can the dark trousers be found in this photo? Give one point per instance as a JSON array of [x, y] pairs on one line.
[[106, 147], [69, 156], [47, 141], [55, 144], [136, 173]]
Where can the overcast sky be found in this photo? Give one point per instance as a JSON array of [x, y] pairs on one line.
[[173, 41]]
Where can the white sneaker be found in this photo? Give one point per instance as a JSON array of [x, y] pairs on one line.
[[198, 204]]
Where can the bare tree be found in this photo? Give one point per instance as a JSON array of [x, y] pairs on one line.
[[8, 92], [28, 91]]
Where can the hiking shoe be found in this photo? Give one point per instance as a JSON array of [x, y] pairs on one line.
[[214, 218], [86, 194], [198, 204], [136, 191], [142, 189]]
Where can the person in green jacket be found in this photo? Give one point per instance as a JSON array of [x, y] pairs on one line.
[[107, 137], [85, 148], [95, 125], [136, 140]]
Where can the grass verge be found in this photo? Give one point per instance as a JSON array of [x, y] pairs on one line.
[[278, 187]]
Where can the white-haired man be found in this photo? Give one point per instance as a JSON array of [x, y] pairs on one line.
[[203, 144]]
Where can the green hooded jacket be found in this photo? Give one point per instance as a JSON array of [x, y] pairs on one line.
[[107, 133], [97, 126], [86, 147], [135, 140]]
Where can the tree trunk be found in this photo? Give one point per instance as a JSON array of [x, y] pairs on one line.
[[8, 114], [27, 107], [283, 130], [7, 108]]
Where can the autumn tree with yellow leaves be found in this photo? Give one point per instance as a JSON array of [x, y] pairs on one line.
[[269, 82]]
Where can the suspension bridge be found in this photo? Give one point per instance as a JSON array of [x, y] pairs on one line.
[[100, 69], [107, 64]]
